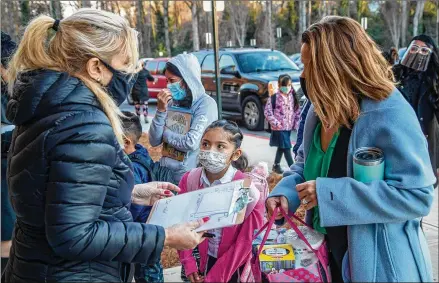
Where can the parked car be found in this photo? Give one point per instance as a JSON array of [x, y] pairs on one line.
[[248, 77], [146, 59], [296, 58], [156, 67]]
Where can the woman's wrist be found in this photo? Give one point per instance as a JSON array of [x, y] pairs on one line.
[[167, 238]]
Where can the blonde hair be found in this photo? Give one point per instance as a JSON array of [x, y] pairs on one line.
[[86, 34], [344, 64]]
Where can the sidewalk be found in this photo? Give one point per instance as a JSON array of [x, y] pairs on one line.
[[258, 149]]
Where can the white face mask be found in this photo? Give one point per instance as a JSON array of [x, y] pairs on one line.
[[213, 161]]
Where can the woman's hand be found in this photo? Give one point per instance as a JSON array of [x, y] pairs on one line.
[[162, 100], [274, 202], [183, 237], [195, 278], [148, 194], [308, 194]]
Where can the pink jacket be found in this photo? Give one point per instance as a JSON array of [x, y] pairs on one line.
[[284, 117], [236, 241]]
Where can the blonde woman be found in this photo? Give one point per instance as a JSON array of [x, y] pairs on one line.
[[69, 181], [373, 230]]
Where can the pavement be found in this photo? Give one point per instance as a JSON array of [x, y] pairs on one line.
[[256, 146]]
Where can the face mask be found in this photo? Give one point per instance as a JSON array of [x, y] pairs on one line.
[[213, 161], [303, 86], [120, 85], [417, 57], [285, 89], [178, 93]]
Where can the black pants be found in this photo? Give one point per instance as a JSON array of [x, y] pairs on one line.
[[287, 153], [235, 277]]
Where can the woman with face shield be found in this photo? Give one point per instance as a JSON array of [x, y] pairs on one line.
[[372, 228], [418, 80]]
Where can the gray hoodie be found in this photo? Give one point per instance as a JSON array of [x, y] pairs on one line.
[[204, 111]]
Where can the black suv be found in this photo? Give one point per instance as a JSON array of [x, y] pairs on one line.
[[248, 76]]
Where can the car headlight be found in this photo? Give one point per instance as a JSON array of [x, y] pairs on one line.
[[272, 87]]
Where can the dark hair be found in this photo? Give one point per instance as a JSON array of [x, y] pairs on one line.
[[131, 126], [432, 73], [187, 101], [7, 49], [283, 80], [391, 56], [394, 54], [236, 137]]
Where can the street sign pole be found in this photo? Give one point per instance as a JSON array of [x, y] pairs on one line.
[[216, 57], [279, 36]]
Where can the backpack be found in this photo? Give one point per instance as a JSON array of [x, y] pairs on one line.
[[267, 126]]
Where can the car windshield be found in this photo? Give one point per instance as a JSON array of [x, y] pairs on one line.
[[270, 61]]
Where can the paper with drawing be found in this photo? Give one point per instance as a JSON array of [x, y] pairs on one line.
[[225, 205]]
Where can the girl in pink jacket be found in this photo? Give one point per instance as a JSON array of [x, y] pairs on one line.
[[283, 113], [223, 257]]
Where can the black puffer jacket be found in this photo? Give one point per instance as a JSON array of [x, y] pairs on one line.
[[70, 185]]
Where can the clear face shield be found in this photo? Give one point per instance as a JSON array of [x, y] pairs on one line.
[[417, 57]]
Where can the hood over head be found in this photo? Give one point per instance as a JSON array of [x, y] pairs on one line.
[[190, 71]]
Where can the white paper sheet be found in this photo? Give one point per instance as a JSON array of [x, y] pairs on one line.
[[216, 202]]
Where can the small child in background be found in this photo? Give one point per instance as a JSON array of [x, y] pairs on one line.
[[223, 257], [283, 113], [145, 170]]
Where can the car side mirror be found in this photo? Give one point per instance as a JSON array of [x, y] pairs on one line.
[[230, 70]]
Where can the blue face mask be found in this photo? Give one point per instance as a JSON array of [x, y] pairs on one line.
[[285, 89], [178, 93], [120, 85]]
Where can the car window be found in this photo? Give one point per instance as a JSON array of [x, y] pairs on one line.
[[226, 61], [270, 61], [200, 57], [152, 66], [208, 64], [161, 68]]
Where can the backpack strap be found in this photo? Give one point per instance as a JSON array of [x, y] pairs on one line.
[[239, 175], [193, 179], [273, 102]]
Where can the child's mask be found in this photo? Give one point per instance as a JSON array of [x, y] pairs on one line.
[[213, 161]]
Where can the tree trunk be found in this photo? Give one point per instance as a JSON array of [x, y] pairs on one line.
[[8, 22], [147, 31], [166, 20], [195, 36], [392, 18], [140, 26], [55, 9], [85, 4], [302, 16], [404, 21], [418, 16], [25, 12], [270, 23]]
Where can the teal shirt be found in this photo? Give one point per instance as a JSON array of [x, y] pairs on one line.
[[317, 165]]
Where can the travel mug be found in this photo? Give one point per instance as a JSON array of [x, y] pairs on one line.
[[368, 164]]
